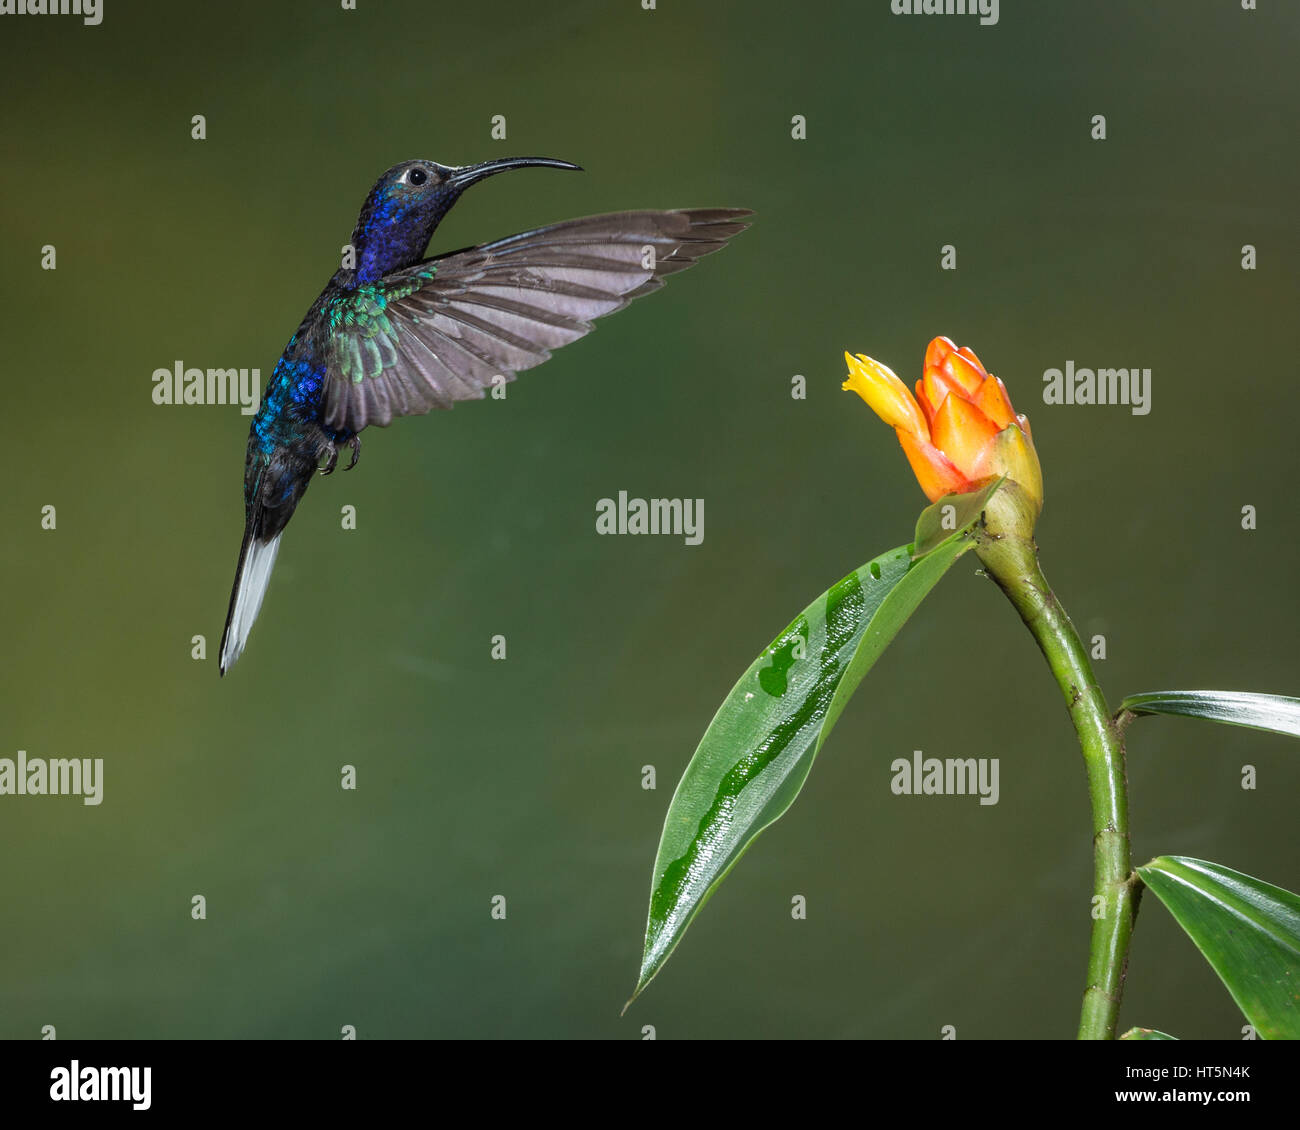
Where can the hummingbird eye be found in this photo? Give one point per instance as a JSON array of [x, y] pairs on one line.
[[417, 176]]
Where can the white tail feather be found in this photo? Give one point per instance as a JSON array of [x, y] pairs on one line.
[[246, 602]]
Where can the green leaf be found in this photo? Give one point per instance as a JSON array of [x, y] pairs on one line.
[[756, 754], [1272, 712], [1147, 1034], [1248, 930], [953, 513], [941, 526]]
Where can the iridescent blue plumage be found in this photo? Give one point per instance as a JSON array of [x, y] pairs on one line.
[[393, 334], [292, 399]]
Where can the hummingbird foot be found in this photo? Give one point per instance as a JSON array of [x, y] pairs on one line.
[[330, 452]]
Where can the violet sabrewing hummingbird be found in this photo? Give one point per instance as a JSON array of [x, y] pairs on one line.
[[395, 334]]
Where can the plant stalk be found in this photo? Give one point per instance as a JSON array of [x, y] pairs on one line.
[[1011, 558]]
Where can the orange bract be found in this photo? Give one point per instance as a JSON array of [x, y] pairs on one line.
[[960, 429]]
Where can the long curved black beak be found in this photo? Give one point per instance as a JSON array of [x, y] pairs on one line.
[[467, 175]]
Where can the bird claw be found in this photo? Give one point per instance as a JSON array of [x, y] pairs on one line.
[[328, 469]]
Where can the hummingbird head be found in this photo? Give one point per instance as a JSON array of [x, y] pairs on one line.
[[409, 201]]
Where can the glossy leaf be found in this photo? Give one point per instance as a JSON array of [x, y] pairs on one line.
[[951, 514], [945, 524], [1248, 930], [758, 750], [1147, 1034], [1272, 712]]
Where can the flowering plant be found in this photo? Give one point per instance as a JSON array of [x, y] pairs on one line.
[[975, 459]]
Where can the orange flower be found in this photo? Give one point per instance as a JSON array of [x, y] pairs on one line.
[[960, 429]]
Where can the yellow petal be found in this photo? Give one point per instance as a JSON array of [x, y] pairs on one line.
[[888, 397]]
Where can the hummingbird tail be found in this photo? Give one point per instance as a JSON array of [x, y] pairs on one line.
[[256, 560]]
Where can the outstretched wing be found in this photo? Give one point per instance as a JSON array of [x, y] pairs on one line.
[[440, 331]]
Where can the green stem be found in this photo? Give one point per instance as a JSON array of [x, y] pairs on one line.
[[1011, 558]]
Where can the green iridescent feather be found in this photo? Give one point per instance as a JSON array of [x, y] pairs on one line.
[[365, 340]]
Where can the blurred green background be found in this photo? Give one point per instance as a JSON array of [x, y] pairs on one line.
[[523, 777]]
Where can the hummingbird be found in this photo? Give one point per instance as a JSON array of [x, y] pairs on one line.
[[395, 334]]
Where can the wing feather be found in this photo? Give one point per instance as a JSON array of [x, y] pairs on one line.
[[439, 332]]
